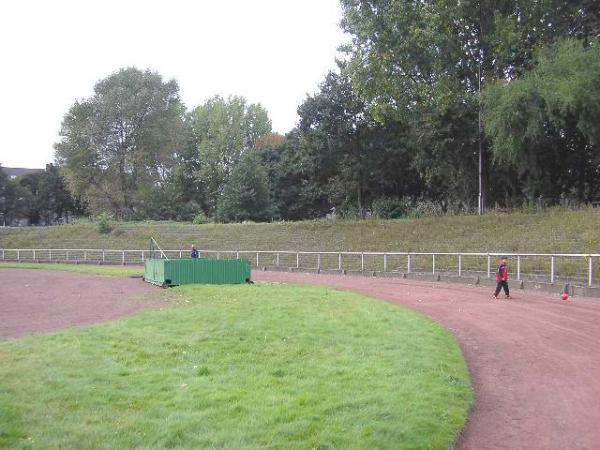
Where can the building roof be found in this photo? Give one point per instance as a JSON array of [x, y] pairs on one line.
[[14, 172]]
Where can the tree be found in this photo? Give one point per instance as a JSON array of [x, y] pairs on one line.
[[546, 123], [5, 199], [414, 60], [13, 200], [225, 129], [55, 200], [122, 141], [246, 195]]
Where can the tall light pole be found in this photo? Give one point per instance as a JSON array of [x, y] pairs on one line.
[[481, 199]]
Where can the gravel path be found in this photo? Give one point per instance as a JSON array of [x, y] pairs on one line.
[[40, 301]]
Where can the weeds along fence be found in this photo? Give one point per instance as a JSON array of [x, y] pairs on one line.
[[577, 269]]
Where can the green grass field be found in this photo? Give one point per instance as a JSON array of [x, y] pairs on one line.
[[240, 367], [552, 230]]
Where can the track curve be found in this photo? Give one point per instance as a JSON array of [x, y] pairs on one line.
[[42, 301], [534, 360]]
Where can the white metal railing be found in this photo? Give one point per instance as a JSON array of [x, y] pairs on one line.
[[546, 267]]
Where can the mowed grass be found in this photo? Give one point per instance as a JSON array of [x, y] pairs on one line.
[[240, 367], [548, 231], [113, 271]]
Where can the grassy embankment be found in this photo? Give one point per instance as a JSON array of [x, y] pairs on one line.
[[549, 231], [239, 367], [553, 230]]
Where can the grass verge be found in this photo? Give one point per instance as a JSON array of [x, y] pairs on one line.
[[240, 367], [553, 230], [113, 271]]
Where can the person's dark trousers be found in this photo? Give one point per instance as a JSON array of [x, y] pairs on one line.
[[502, 285]]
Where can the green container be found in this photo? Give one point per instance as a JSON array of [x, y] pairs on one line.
[[175, 272]]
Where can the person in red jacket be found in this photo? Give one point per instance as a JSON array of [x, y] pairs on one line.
[[502, 278]]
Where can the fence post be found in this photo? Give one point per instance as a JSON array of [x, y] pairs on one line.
[[552, 262], [519, 268], [407, 263], [123, 258], [385, 262], [297, 260], [103, 256], [85, 256], [180, 254], [34, 255], [3, 255], [218, 255], [143, 259], [18, 255], [489, 266], [237, 255], [67, 253], [340, 261], [256, 259], [590, 272], [277, 259], [50, 255], [460, 265], [433, 264], [318, 261], [362, 262]]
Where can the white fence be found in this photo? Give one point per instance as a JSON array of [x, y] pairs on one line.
[[542, 267]]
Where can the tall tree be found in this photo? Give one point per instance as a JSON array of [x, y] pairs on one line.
[[224, 130], [5, 199], [246, 195], [546, 123], [122, 141], [341, 143], [417, 59], [14, 200]]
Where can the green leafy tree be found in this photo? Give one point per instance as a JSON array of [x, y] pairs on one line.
[[423, 62], [122, 141], [225, 129], [546, 123], [246, 195], [6, 199], [14, 200]]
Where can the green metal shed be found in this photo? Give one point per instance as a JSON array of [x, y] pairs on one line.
[[175, 272]]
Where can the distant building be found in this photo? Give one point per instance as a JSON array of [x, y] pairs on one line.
[[14, 172]]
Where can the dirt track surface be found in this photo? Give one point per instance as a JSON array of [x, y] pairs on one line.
[[534, 360], [39, 301]]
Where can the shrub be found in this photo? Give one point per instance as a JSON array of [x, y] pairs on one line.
[[201, 218], [391, 207], [426, 208], [104, 223]]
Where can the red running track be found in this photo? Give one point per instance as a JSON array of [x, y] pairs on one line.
[[534, 360]]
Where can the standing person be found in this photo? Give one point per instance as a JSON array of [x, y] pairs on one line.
[[502, 278], [195, 254]]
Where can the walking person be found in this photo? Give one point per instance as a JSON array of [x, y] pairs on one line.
[[195, 254], [502, 278]]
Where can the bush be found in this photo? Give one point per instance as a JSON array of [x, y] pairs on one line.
[[391, 207], [426, 208], [104, 223], [201, 218]]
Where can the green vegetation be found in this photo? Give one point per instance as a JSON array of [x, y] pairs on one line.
[[112, 271], [394, 130], [553, 230], [262, 366]]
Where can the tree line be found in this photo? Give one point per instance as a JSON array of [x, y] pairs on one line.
[[36, 198], [420, 91]]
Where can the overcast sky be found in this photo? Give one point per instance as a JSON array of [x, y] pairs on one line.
[[52, 52]]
